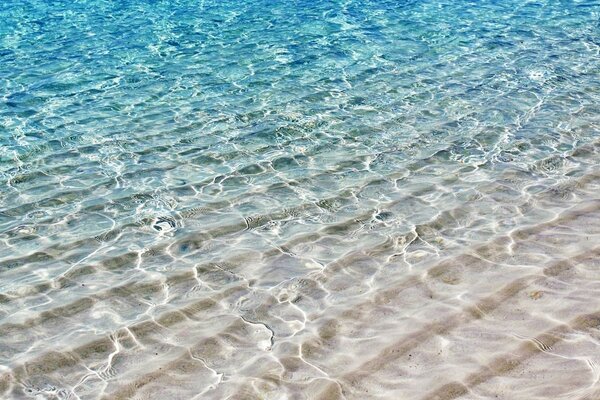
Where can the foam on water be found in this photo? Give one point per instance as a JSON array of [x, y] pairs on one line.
[[299, 200]]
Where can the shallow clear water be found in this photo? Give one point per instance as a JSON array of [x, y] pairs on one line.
[[300, 200]]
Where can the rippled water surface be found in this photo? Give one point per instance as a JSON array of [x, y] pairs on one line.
[[300, 200]]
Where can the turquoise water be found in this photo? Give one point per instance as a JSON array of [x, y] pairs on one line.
[[299, 200]]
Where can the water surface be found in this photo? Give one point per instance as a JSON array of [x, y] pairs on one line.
[[300, 199]]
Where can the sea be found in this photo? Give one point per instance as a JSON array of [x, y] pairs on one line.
[[300, 199]]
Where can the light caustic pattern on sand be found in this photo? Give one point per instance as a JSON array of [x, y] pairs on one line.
[[299, 200]]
